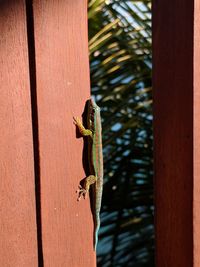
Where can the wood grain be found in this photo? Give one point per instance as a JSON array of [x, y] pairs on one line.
[[196, 197], [62, 72], [18, 234], [173, 131]]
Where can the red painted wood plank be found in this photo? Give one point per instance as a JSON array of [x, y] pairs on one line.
[[63, 86], [173, 131], [196, 197], [18, 235]]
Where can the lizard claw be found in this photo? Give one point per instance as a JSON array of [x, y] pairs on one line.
[[82, 193], [76, 121]]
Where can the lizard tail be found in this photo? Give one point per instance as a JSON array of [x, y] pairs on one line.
[[96, 240], [96, 234]]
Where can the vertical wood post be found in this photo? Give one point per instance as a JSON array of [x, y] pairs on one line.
[[62, 81], [176, 84], [18, 233], [196, 134]]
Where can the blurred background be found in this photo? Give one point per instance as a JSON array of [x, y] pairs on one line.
[[120, 66]]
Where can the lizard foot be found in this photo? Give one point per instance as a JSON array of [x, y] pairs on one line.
[[77, 121], [82, 192]]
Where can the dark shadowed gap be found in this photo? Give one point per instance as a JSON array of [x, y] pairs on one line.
[[34, 108]]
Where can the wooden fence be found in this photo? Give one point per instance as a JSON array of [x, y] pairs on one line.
[[44, 82]]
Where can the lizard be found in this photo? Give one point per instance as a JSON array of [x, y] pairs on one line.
[[95, 160]]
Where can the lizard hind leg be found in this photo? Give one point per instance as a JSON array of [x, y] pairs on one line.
[[84, 190]]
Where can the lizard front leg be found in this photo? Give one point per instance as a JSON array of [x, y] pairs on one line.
[[83, 190], [82, 130]]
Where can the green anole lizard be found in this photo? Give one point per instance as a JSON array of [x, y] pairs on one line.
[[95, 159]]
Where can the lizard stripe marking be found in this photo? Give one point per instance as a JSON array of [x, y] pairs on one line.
[[95, 160]]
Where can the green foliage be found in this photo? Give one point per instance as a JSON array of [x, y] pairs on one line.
[[120, 63]]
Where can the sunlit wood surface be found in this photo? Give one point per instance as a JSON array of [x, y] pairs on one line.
[[62, 78], [18, 234]]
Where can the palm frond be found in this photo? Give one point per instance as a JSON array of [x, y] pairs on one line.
[[120, 64]]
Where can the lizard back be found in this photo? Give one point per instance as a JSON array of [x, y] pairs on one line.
[[95, 155]]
